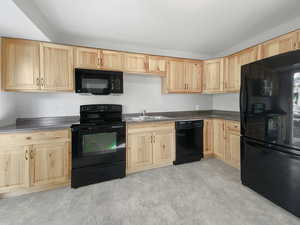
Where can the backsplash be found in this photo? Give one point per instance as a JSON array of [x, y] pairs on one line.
[[140, 92], [226, 102]]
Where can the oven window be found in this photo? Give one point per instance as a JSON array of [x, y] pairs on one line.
[[99, 143], [90, 83]]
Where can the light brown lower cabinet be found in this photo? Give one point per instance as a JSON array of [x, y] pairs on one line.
[[150, 145], [34, 161], [222, 140]]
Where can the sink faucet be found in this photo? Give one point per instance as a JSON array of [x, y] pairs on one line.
[[143, 113]]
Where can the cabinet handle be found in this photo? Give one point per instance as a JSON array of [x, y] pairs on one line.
[[42, 82], [31, 154], [38, 81], [153, 139], [26, 155]]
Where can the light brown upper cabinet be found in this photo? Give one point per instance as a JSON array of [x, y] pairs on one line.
[[193, 76], [183, 76], [175, 77], [21, 64], [135, 63], [298, 39], [233, 64], [56, 67], [157, 65], [213, 75], [282, 44], [87, 58], [112, 60]]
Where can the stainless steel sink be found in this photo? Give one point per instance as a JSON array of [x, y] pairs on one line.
[[146, 118]]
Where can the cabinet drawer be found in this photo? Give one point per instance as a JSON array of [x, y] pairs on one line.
[[34, 137], [233, 126]]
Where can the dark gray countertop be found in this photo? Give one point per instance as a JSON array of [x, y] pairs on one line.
[[52, 123]]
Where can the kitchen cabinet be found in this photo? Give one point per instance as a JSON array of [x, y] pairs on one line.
[[213, 75], [139, 150], [232, 150], [34, 161], [157, 65], [49, 163], [21, 64], [183, 76], [56, 67], [86, 58], [14, 167], [176, 82], [233, 64], [282, 44], [208, 139], [135, 63], [112, 60], [193, 73], [219, 138], [163, 145], [150, 145]]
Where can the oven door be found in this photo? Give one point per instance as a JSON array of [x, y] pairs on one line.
[[93, 81], [95, 144]]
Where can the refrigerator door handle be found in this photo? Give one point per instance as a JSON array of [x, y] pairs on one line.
[[267, 148], [243, 99]]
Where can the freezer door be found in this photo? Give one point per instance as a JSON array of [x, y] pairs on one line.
[[272, 172], [270, 101]]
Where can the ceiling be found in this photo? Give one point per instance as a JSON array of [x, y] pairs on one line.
[[196, 28]]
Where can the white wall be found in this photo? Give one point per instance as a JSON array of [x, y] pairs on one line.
[[7, 108], [140, 92], [227, 102]]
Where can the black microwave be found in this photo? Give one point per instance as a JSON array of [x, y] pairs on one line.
[[98, 82]]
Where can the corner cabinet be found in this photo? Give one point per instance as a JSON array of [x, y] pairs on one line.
[[233, 64], [183, 76], [150, 145], [213, 76], [56, 67], [34, 161]]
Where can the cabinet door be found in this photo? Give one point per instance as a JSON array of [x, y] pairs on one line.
[[231, 75], [56, 67], [87, 58], [208, 138], [282, 44], [157, 65], [233, 153], [164, 146], [112, 60], [21, 64], [233, 64], [139, 147], [176, 81], [298, 40], [193, 73], [135, 63], [219, 138], [213, 76], [49, 163], [14, 167]]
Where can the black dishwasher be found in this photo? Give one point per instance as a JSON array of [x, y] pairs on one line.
[[189, 141]]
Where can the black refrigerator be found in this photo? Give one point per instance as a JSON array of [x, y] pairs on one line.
[[270, 129]]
